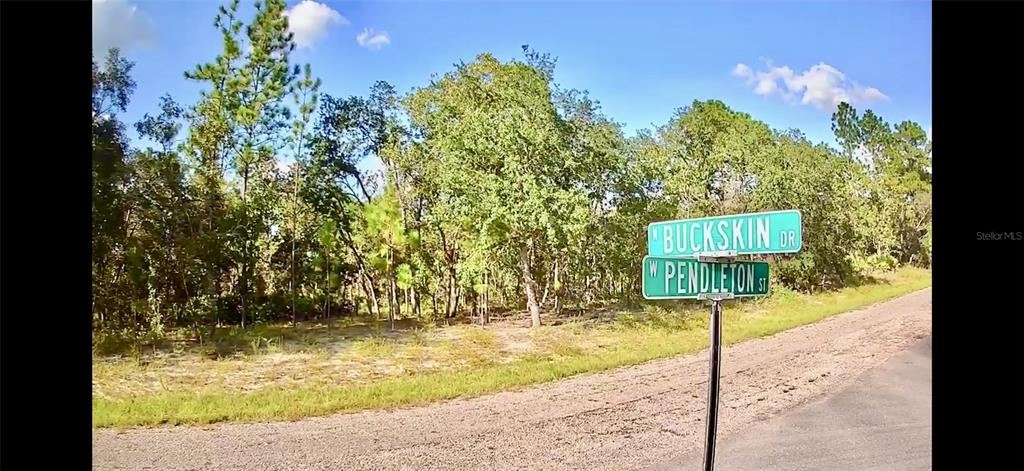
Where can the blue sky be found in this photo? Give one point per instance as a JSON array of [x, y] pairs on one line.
[[640, 60]]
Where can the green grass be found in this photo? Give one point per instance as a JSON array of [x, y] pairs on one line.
[[660, 332]]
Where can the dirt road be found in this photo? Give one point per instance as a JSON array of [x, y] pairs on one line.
[[881, 421], [629, 418]]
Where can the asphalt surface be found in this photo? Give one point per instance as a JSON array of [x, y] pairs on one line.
[[881, 421], [628, 418]]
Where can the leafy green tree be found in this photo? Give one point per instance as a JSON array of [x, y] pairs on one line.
[[112, 87], [210, 139], [247, 103], [333, 268], [349, 132], [160, 237], [495, 143], [305, 95], [164, 127], [391, 244], [814, 180], [895, 182]]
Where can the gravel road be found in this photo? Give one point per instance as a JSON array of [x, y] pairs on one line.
[[881, 421], [629, 418]]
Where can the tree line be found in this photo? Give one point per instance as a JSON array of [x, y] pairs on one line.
[[495, 188]]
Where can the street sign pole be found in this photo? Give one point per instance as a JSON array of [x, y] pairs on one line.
[[715, 373], [716, 360]]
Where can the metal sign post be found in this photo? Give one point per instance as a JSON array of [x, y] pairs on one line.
[[715, 374]]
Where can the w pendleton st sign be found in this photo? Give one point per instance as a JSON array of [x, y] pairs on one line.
[[682, 278], [754, 233]]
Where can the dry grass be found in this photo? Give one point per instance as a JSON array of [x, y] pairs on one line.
[[313, 371]]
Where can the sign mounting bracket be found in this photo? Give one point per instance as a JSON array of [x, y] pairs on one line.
[[724, 256]]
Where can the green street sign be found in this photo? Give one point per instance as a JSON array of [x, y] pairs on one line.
[[737, 234], [688, 278]]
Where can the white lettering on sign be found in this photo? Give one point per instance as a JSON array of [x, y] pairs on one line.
[[709, 242], [711, 278], [732, 270], [762, 233], [679, 276], [670, 271], [705, 278], [722, 276], [692, 277], [737, 234], [687, 277], [741, 233], [788, 239], [750, 232], [693, 238]]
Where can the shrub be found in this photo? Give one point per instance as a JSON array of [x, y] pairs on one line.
[[875, 263], [112, 343]]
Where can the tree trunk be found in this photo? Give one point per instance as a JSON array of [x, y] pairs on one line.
[[327, 285], [453, 295], [558, 291], [371, 295], [392, 303], [530, 287], [459, 293], [374, 299], [544, 297], [433, 302], [607, 284], [215, 306], [475, 306], [245, 255], [416, 303], [485, 315], [394, 294], [295, 202], [245, 289], [393, 287]]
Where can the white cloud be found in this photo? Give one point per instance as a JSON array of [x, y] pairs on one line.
[[742, 70], [117, 23], [373, 41], [821, 86], [309, 20]]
